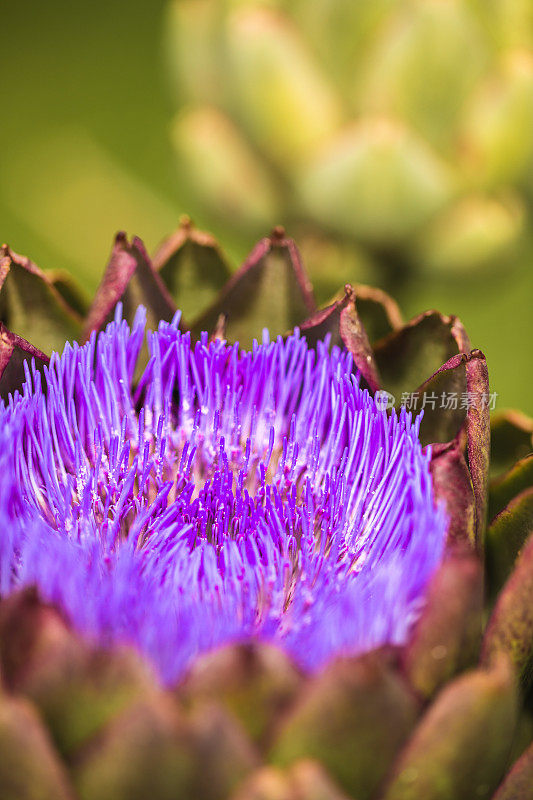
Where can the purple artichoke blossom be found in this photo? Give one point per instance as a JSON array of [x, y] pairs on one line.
[[223, 496]]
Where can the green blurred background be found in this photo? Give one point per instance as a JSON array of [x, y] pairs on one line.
[[393, 138]]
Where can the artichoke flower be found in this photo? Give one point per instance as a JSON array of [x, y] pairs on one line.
[[365, 120], [233, 562]]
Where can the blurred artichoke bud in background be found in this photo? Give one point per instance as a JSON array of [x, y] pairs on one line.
[[400, 130]]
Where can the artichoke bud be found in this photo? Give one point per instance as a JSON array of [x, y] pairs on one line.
[[250, 715], [287, 96], [416, 68], [352, 27], [279, 93], [495, 133], [192, 49], [375, 180], [211, 151], [473, 234]]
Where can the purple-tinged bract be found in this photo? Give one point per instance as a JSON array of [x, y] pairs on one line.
[[224, 495]]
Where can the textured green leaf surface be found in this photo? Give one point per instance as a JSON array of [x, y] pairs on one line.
[[280, 94], [460, 747], [447, 636], [353, 717], [192, 268], [506, 536], [131, 279], [352, 184], [516, 480], [408, 356], [31, 307], [510, 628], [143, 753], [29, 766], [256, 682], [270, 290], [518, 783], [511, 439]]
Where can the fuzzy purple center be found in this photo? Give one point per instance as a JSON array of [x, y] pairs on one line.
[[222, 495]]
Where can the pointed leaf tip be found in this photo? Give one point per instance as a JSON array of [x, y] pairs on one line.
[[30, 305], [129, 277], [465, 378], [341, 320], [257, 682], [270, 290], [352, 718], [14, 352], [145, 751], [420, 347], [192, 267]]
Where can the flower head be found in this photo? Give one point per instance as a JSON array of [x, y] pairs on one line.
[[224, 495]]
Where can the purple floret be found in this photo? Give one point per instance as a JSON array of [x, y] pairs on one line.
[[222, 495]]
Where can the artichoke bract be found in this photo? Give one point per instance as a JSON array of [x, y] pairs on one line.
[[235, 560], [366, 120]]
